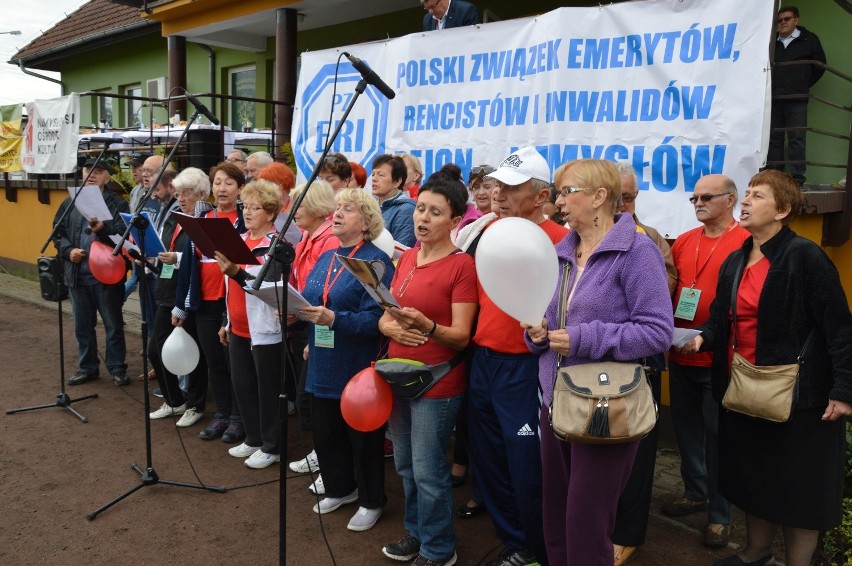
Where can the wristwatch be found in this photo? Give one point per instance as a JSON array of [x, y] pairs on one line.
[[431, 332]]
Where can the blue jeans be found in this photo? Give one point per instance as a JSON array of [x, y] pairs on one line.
[[86, 302], [420, 429], [695, 416]]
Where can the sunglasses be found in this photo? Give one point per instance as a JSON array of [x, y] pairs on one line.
[[482, 170], [331, 160], [706, 198], [785, 19]]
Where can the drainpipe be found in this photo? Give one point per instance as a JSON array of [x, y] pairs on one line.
[[28, 72], [212, 59]]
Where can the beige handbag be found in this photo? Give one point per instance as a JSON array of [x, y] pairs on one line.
[[764, 392], [603, 402]]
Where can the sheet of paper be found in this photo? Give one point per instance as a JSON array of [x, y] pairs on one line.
[[370, 274], [683, 335], [153, 244], [90, 203], [128, 245], [273, 294]]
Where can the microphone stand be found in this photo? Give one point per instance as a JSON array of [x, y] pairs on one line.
[[148, 476], [63, 401], [282, 252]]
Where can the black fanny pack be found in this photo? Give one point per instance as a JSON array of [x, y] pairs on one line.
[[410, 379]]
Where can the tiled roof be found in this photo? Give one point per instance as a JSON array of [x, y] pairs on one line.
[[103, 16]]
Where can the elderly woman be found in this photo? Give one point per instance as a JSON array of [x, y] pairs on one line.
[[312, 217], [336, 171], [790, 474], [435, 284], [191, 186], [414, 175], [619, 309], [388, 177], [253, 334], [343, 338], [481, 186], [282, 176], [201, 294]]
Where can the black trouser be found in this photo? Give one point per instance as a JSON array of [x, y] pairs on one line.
[[348, 458], [256, 375], [196, 395], [297, 342], [789, 114], [634, 505], [208, 320]]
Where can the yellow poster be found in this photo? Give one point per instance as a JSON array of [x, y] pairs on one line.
[[10, 138]]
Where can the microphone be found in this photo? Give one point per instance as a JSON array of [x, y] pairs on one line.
[[203, 109], [370, 76]]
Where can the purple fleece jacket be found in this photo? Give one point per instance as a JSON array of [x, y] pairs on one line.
[[621, 309]]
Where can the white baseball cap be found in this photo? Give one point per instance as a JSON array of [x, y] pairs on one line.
[[523, 165]]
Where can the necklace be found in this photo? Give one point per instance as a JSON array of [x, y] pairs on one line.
[[590, 250]]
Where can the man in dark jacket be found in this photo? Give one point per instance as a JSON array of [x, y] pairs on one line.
[[793, 43], [443, 14], [88, 295]]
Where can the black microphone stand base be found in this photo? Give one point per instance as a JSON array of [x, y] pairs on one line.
[[63, 401], [148, 477]]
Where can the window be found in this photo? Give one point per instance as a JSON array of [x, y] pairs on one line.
[[242, 82], [105, 111], [132, 118]]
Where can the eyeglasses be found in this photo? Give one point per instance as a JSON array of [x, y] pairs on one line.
[[429, 7], [482, 170], [785, 19], [235, 160], [706, 198], [252, 207], [628, 197], [565, 191]]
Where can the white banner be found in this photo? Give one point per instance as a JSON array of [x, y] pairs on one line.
[[51, 135], [677, 89]]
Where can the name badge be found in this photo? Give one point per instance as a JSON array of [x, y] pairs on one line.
[[688, 303], [323, 336], [167, 271]]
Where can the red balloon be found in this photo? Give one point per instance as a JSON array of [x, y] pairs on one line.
[[107, 268], [367, 401]]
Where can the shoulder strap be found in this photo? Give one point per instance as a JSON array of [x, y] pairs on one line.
[[563, 303]]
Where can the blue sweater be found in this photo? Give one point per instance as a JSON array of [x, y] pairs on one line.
[[398, 214], [356, 323]]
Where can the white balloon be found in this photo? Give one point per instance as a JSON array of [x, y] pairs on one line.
[[385, 242], [180, 352], [517, 265]]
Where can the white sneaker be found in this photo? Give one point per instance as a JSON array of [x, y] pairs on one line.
[[243, 450], [364, 519], [317, 486], [261, 459], [307, 464], [167, 411], [189, 418], [330, 504]]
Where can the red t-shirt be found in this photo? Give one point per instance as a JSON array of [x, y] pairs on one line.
[[237, 315], [701, 270], [308, 251], [433, 289], [497, 330], [748, 296], [210, 276]]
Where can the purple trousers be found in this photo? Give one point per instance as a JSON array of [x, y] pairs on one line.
[[581, 487]]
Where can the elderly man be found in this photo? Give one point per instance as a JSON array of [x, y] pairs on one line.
[[698, 255], [255, 162], [443, 14], [89, 296], [503, 391], [631, 519], [238, 157]]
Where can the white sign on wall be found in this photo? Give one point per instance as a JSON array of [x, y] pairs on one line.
[[51, 135], [676, 89]]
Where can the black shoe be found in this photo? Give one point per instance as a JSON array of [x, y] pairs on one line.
[[214, 429], [234, 433], [468, 512], [403, 550], [82, 377], [513, 558], [120, 378]]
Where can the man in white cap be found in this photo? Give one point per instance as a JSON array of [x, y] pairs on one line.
[[503, 390]]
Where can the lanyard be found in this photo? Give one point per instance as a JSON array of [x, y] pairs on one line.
[[327, 288], [698, 270]]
